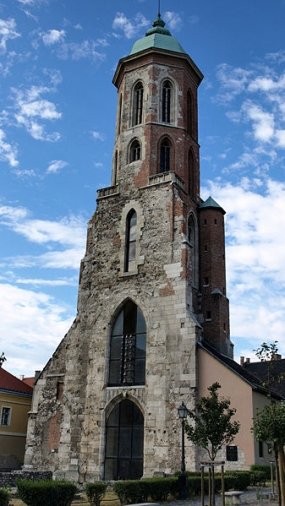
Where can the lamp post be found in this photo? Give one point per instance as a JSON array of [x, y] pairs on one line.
[[182, 413]]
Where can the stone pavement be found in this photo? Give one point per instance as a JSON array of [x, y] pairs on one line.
[[253, 497]]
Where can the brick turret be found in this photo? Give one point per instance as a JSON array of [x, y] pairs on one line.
[[214, 302]]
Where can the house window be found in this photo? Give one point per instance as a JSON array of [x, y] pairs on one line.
[[128, 347], [131, 239], [137, 104], [5, 416], [124, 442], [165, 150], [135, 151], [232, 453], [166, 102], [208, 316], [260, 449]]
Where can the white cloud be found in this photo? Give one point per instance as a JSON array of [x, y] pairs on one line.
[[262, 122], [53, 37], [129, 27], [172, 19], [67, 231], [255, 257], [97, 135], [86, 49], [32, 322], [233, 81], [32, 110], [7, 32], [8, 152], [56, 166]]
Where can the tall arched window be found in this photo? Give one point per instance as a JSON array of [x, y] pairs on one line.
[[135, 151], [165, 153], [137, 104], [166, 102], [191, 173], [120, 114], [124, 442], [127, 347], [192, 239], [189, 118], [131, 239], [115, 178]]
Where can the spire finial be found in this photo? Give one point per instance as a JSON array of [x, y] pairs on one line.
[[159, 9]]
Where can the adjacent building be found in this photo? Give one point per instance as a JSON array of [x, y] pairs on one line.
[[15, 403]]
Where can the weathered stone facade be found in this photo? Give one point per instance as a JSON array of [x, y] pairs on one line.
[[166, 276]]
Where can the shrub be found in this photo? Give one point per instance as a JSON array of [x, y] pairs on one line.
[[95, 492], [46, 492], [237, 480], [136, 491], [4, 497], [258, 478], [262, 468]]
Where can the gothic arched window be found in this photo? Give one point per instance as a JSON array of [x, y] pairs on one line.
[[137, 104], [135, 151], [164, 155], [124, 442], [167, 91], [191, 173], [193, 243], [127, 347], [131, 239], [189, 119]]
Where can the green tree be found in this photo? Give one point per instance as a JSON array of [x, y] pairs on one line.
[[269, 424], [212, 427]]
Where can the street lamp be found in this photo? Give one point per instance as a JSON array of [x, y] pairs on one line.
[[182, 413]]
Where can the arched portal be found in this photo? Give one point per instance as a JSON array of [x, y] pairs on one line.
[[124, 442]]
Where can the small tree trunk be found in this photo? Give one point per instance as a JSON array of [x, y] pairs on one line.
[[281, 467]]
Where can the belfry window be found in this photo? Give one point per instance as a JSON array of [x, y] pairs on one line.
[[137, 104], [191, 177], [166, 102], [165, 151], [131, 239], [189, 118], [135, 151], [127, 347]]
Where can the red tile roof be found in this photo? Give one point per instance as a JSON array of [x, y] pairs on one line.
[[29, 381], [11, 383]]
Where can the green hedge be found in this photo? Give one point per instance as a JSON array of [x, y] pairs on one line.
[[262, 468], [137, 491], [95, 492], [160, 489], [4, 497], [46, 492]]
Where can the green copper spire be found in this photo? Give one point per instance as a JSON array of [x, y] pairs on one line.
[[157, 37]]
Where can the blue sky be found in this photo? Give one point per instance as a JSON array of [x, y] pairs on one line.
[[57, 117]]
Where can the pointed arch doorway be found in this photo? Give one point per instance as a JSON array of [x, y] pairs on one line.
[[124, 442]]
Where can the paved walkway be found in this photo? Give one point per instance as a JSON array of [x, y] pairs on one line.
[[254, 497]]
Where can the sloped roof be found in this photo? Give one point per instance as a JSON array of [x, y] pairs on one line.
[[9, 383], [274, 370], [211, 203], [253, 380], [157, 37]]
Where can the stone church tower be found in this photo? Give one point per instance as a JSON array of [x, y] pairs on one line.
[[152, 285]]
